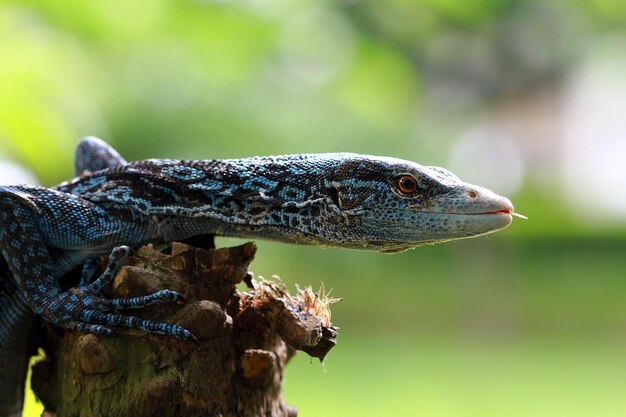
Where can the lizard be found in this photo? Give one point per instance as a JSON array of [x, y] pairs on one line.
[[343, 200]]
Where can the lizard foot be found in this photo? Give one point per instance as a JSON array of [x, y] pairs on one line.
[[83, 311]]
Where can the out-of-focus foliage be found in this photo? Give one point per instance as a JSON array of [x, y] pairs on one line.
[[525, 97]]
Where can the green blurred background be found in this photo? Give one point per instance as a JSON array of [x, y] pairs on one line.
[[525, 97]]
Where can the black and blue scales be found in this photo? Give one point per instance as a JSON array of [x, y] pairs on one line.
[[337, 200], [44, 234]]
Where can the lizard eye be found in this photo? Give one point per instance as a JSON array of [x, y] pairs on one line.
[[407, 184]]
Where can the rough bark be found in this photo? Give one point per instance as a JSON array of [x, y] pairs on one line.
[[236, 370]]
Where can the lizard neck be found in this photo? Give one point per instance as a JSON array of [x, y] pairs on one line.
[[341, 200]]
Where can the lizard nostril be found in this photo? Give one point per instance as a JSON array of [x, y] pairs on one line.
[[472, 194]]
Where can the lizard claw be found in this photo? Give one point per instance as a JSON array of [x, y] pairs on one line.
[[192, 338]]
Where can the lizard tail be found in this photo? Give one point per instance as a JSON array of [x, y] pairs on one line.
[[15, 321]]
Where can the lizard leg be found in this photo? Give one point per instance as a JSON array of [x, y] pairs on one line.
[[23, 244], [93, 154], [19, 255], [15, 321]]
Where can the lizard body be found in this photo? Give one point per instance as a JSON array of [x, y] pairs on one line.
[[335, 200]]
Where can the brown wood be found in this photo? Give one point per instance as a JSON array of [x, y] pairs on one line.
[[245, 341]]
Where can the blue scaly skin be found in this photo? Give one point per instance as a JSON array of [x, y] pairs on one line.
[[335, 200]]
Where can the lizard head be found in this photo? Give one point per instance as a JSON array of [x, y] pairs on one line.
[[393, 205]]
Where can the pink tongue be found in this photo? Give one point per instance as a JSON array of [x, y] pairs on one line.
[[510, 211]]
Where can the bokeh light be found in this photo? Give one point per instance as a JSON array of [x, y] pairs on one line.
[[484, 155], [594, 140]]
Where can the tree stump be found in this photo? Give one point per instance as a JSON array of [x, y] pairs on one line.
[[236, 370]]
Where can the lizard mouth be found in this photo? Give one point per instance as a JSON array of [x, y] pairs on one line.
[[502, 206], [508, 211]]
